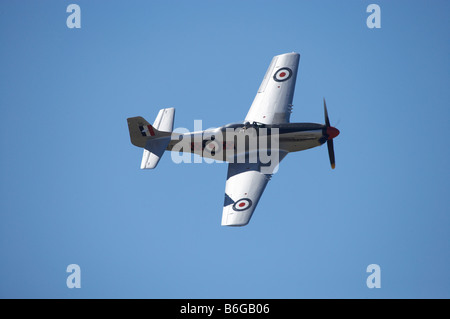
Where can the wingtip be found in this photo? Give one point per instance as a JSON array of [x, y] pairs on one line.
[[234, 225], [289, 53]]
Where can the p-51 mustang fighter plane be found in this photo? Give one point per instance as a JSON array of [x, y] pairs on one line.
[[247, 145]]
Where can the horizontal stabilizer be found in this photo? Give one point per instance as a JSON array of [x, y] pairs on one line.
[[153, 152], [164, 120]]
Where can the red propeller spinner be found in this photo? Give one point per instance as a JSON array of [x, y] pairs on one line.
[[332, 132]]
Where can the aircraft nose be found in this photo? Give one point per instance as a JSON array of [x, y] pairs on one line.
[[332, 132]]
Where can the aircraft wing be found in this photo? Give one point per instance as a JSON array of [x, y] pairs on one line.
[[244, 187], [273, 102]]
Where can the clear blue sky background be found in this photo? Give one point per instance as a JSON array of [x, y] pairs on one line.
[[71, 187]]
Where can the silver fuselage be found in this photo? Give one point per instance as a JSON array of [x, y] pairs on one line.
[[226, 142]]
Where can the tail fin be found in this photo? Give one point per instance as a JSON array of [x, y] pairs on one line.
[[154, 139]]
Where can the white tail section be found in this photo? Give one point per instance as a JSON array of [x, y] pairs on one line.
[[153, 138]]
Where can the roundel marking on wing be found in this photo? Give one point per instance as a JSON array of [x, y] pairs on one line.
[[282, 74], [242, 204]]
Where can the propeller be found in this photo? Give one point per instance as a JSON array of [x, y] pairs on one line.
[[331, 132]]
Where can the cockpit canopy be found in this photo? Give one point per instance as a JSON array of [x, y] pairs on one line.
[[242, 125]]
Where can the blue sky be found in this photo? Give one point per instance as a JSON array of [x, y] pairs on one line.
[[72, 191]]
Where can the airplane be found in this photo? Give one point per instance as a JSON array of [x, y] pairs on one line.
[[267, 122]]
